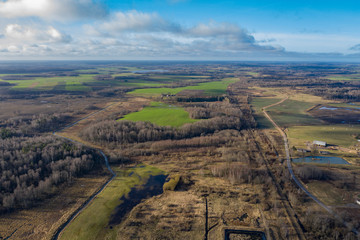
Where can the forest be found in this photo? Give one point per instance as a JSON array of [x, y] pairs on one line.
[[31, 167]]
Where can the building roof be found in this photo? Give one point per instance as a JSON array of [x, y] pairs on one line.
[[319, 142]]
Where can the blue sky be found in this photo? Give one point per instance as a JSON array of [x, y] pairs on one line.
[[180, 29]]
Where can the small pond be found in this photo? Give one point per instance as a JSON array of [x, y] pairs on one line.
[[320, 159], [336, 108]]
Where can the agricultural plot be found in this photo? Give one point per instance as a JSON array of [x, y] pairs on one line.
[[341, 135], [69, 83], [209, 88], [332, 114], [292, 112], [161, 114], [94, 221]]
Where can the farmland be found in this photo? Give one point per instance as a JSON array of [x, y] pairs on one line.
[[162, 115], [209, 88], [53, 83], [292, 112], [341, 135]]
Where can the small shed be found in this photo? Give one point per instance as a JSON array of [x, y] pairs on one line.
[[324, 152], [319, 143]]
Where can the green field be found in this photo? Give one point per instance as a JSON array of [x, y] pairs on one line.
[[341, 135], [92, 223], [162, 115], [209, 88], [52, 83]]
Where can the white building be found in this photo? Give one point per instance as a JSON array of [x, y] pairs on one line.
[[319, 143]]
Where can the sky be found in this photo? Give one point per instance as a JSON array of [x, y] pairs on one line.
[[316, 30]]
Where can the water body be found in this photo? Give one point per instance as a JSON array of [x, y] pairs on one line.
[[150, 71], [320, 159], [354, 105], [244, 234], [153, 187], [335, 108]]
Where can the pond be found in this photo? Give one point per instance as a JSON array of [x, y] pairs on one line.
[[231, 234], [320, 159]]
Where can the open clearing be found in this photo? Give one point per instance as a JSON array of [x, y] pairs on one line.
[[162, 115], [344, 77], [92, 223], [210, 88]]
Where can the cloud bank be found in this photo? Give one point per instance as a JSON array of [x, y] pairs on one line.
[[85, 29]]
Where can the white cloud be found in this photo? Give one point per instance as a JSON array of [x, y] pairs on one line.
[[135, 21], [310, 42], [23, 34], [139, 35], [62, 10]]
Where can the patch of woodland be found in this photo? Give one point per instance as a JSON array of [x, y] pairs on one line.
[[32, 167], [35, 124]]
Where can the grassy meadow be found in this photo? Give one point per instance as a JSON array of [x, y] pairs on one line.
[[209, 88], [162, 115], [92, 223]]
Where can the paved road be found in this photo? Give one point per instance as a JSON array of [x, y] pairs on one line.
[[89, 200], [300, 185]]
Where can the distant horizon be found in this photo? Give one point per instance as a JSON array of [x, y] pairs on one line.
[[184, 60]]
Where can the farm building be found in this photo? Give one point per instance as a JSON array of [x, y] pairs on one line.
[[319, 143], [302, 150], [324, 152]]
